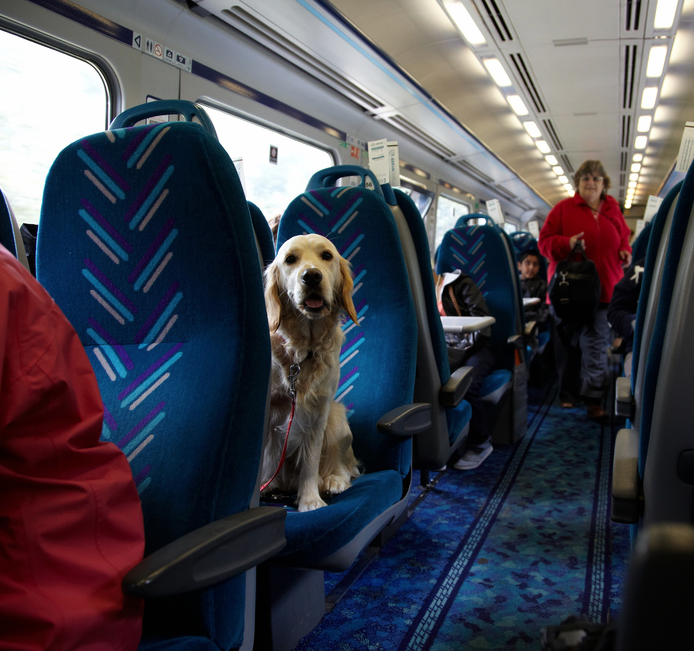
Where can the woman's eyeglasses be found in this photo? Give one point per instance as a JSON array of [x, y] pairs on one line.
[[588, 177]]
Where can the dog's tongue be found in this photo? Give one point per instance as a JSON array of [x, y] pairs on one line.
[[314, 303]]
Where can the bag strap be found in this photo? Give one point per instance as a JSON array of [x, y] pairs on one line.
[[455, 302]]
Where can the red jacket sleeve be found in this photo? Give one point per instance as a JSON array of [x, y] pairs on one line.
[[72, 521]]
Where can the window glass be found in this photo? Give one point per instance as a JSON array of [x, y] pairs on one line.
[[274, 168], [422, 200], [510, 227], [50, 99], [448, 211]]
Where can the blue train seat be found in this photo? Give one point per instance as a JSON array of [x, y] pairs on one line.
[[485, 254], [640, 246], [263, 235], [434, 384], [525, 241], [377, 387], [644, 470], [10, 236], [146, 244]]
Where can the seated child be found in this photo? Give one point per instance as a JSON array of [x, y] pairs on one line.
[[458, 295], [533, 286]]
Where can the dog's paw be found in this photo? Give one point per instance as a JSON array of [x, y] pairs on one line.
[[310, 503], [334, 484]]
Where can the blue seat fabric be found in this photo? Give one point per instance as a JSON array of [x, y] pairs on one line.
[[263, 234], [474, 249], [146, 244], [378, 363], [6, 226], [457, 417], [684, 193]]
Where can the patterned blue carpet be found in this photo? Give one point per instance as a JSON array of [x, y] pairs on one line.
[[489, 557]]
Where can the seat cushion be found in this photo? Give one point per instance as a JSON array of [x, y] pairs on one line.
[[495, 385], [187, 643], [458, 418], [314, 535]]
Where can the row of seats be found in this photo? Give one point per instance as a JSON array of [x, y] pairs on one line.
[[148, 245]]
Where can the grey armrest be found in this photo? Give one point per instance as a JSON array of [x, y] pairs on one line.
[[517, 341], [627, 500], [407, 420], [210, 554], [453, 391], [624, 401], [530, 329]]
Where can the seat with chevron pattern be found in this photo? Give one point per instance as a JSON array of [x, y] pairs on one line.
[[10, 236], [378, 363], [485, 253], [146, 244]]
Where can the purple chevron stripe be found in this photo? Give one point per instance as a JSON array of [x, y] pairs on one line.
[[147, 190], [348, 344], [358, 307], [109, 285], [458, 237], [344, 378], [140, 426], [312, 225], [156, 313], [143, 376], [107, 226], [151, 251], [351, 239], [142, 474], [135, 142], [457, 250], [357, 270], [320, 199], [120, 351], [347, 206], [110, 420], [105, 166]]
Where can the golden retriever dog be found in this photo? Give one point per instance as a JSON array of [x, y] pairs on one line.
[[307, 288]]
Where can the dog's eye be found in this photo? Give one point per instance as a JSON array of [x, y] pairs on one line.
[[290, 259], [326, 255]]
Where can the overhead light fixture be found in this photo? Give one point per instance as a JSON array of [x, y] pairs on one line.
[[464, 22], [656, 61], [636, 167], [640, 142], [649, 97], [542, 146], [564, 180], [552, 160], [532, 129], [569, 188], [558, 170], [637, 158], [496, 70], [665, 14], [634, 176], [632, 184], [517, 104], [644, 124]]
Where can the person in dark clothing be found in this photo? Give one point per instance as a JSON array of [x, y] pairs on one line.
[[460, 296], [621, 311], [533, 286]]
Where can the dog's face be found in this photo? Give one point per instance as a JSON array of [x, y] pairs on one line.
[[310, 276]]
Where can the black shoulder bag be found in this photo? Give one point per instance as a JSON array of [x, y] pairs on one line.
[[574, 290]]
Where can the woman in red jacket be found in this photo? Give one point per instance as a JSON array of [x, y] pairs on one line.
[[592, 219]]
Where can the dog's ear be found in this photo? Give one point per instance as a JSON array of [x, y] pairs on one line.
[[273, 304], [346, 290]]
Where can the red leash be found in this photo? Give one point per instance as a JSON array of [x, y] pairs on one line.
[[294, 371]]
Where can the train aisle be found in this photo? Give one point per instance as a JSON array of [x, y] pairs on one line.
[[489, 557]]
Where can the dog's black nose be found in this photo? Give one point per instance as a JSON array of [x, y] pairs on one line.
[[311, 277]]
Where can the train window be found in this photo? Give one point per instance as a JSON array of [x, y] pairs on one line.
[[422, 198], [448, 211], [274, 168], [39, 118]]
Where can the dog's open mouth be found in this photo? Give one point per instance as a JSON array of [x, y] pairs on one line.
[[314, 303]]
